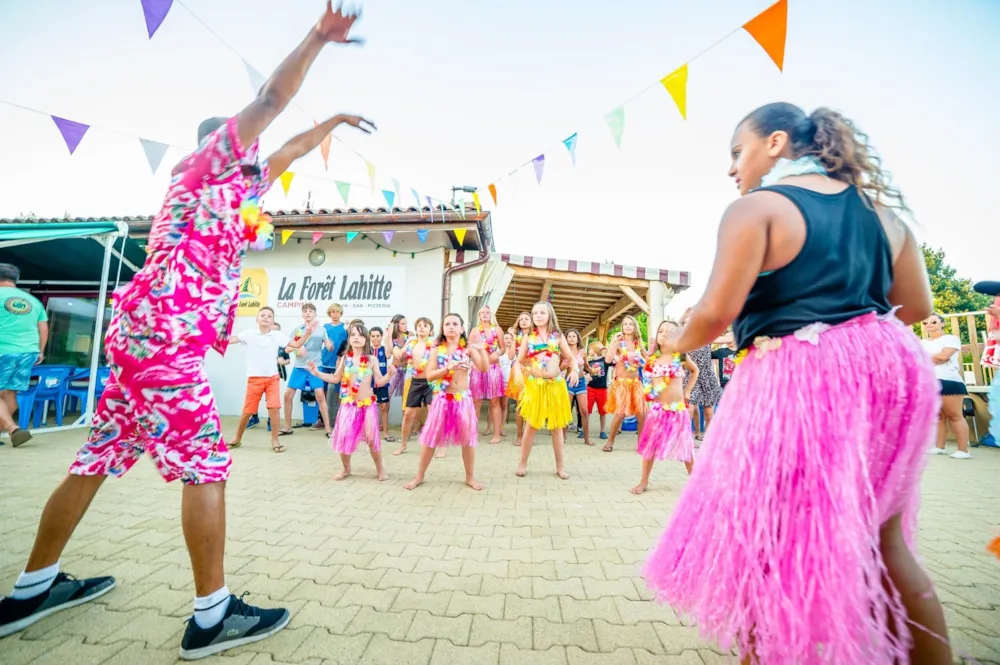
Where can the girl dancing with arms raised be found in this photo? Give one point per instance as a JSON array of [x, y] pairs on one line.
[[804, 497], [544, 400], [667, 431], [452, 418], [515, 385], [357, 419]]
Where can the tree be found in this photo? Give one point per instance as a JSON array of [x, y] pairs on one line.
[[952, 294]]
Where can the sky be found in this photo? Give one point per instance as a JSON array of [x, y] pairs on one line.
[[465, 92]]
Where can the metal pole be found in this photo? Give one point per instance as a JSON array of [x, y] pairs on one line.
[[102, 298]]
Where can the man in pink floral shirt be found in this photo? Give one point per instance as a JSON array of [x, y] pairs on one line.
[[158, 401]]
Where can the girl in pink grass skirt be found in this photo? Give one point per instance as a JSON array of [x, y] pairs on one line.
[[357, 419], [793, 539], [451, 417], [667, 433], [489, 385]]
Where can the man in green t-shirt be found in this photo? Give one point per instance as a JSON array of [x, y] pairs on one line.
[[24, 329]]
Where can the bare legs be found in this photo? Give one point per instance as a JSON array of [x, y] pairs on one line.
[[8, 407], [496, 418], [426, 453], [923, 609], [376, 457], [520, 427], [63, 511], [616, 425], [289, 399], [647, 468], [558, 446], [951, 415], [409, 416], [581, 408], [203, 518]]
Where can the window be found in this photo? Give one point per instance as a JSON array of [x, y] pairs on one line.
[[71, 330]]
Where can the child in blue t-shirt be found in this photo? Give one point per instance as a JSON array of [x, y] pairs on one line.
[[382, 392]]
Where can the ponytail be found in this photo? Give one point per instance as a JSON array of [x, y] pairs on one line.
[[838, 144]]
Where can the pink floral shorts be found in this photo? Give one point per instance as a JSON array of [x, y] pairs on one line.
[[162, 405]]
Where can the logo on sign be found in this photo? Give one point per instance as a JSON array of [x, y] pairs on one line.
[[253, 291]]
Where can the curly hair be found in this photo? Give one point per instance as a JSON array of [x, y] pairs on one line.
[[842, 148]]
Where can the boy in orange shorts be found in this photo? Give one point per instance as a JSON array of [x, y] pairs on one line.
[[262, 372]]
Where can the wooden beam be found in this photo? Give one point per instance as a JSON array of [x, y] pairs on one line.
[[627, 290], [561, 277], [623, 305], [544, 293]]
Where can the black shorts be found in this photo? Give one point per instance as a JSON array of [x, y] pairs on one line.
[[953, 387], [382, 395], [420, 394]]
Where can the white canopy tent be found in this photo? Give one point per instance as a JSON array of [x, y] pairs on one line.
[[104, 232]]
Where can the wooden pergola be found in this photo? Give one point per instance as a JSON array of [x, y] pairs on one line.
[[590, 297]]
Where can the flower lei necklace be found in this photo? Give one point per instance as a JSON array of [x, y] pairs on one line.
[[443, 358], [416, 368], [650, 388], [538, 348], [490, 338], [630, 359], [354, 376]]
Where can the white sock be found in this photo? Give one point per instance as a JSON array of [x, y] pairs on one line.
[[209, 610], [35, 583]]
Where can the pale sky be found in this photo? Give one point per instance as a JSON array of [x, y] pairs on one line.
[[465, 92]]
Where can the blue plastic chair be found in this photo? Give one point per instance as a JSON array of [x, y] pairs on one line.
[[76, 394], [25, 402], [53, 381]]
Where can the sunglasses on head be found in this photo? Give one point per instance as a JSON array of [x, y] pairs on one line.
[[249, 170]]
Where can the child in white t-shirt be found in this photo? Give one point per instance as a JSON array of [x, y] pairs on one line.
[[945, 352]]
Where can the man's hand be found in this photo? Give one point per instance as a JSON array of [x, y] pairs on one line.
[[41, 359], [334, 26]]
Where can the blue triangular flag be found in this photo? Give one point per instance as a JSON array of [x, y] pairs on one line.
[[422, 234], [570, 144], [390, 197]]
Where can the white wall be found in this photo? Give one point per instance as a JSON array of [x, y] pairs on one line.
[[418, 294]]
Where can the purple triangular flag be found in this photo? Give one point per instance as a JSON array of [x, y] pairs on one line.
[[422, 234], [155, 11], [539, 164], [387, 236], [72, 132]]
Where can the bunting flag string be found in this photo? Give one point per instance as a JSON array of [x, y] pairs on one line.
[[351, 235], [155, 151], [285, 235], [286, 181], [475, 201], [460, 236], [422, 235], [324, 148], [344, 189], [769, 29], [390, 198], [317, 236], [387, 236], [371, 174], [72, 132]]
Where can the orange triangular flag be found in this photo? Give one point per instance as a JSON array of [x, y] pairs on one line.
[[460, 236], [324, 149], [676, 83], [493, 193], [769, 29], [286, 180]]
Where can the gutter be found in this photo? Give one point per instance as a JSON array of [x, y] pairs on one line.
[[484, 256]]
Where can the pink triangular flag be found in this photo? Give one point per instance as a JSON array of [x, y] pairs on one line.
[[72, 132], [317, 236]]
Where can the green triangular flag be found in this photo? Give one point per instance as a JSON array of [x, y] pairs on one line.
[[351, 235], [616, 123], [345, 190]]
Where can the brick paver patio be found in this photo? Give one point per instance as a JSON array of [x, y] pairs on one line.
[[534, 570]]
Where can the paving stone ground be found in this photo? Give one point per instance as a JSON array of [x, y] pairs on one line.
[[532, 570]]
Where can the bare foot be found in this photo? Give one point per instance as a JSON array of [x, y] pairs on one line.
[[414, 484], [588, 442], [521, 471], [471, 482], [638, 489], [399, 451], [382, 475], [343, 474], [495, 440], [440, 454], [517, 442], [562, 474]]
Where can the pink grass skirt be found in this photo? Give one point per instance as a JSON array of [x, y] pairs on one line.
[[451, 422], [354, 425], [775, 539], [666, 435], [487, 385]]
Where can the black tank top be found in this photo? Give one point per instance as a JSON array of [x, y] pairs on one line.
[[843, 270]]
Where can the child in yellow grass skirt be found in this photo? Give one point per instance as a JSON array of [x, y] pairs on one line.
[[544, 402]]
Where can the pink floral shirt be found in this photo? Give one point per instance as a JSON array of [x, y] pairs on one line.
[[187, 291]]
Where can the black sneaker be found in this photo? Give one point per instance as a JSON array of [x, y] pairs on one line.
[[66, 591], [253, 422], [242, 624]]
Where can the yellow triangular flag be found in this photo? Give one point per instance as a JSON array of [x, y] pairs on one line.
[[371, 174], [475, 199], [676, 84], [285, 235], [286, 180], [460, 236]]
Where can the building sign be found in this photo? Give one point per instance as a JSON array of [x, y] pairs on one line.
[[362, 291]]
